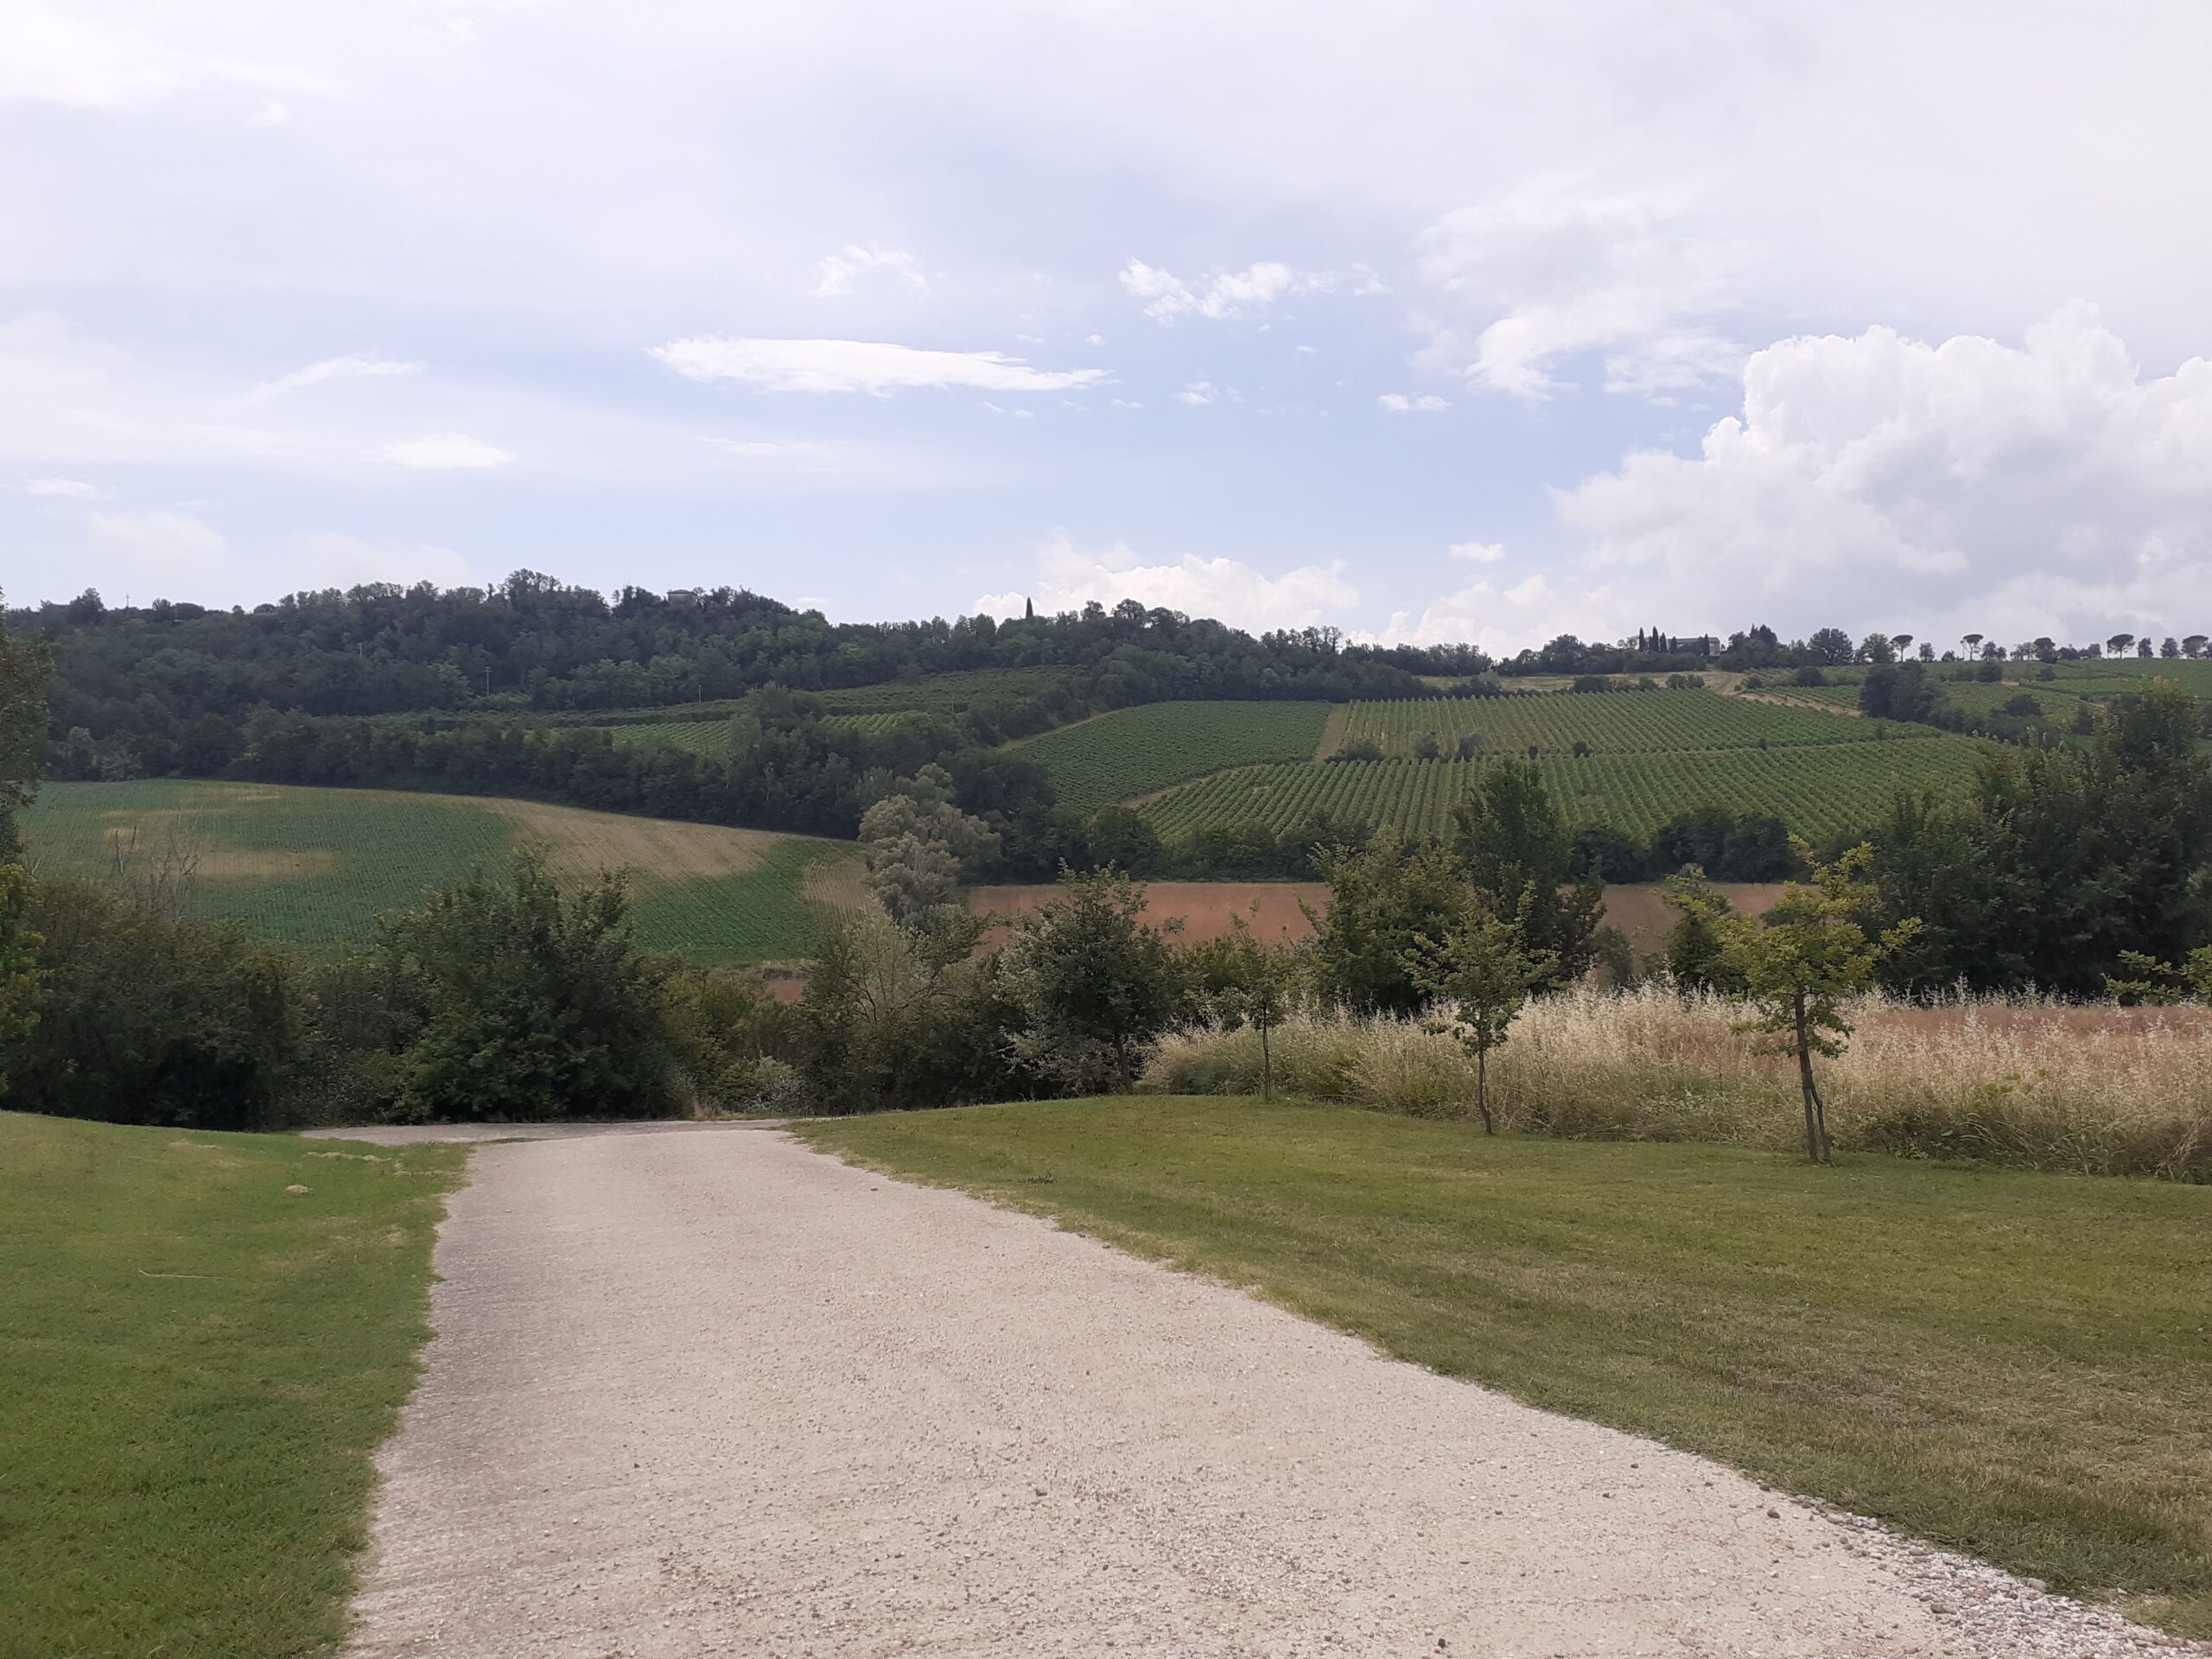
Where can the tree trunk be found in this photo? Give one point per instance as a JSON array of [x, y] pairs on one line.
[[1815, 1128], [1267, 1068], [1482, 1088]]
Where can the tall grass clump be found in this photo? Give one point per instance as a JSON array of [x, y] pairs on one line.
[[2090, 1088]]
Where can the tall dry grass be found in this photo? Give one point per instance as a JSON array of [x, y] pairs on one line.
[[2092, 1088]]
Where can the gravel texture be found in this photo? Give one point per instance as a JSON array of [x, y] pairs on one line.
[[714, 1394]]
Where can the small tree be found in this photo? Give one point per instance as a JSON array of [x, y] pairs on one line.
[[1258, 984], [1482, 973], [1799, 963], [1093, 981]]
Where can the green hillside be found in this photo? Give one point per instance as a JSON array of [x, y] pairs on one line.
[[315, 866], [1617, 723], [1817, 789], [1134, 751]]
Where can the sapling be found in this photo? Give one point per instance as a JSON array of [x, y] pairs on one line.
[[1481, 972]]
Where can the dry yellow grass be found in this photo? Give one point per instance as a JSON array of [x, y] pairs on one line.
[[2091, 1089]]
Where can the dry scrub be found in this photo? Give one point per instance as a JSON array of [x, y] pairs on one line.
[[2094, 1089]]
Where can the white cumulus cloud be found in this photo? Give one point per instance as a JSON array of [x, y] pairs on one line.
[[1426, 402], [1478, 552], [841, 271], [446, 452], [1544, 274], [2048, 488], [1069, 577], [858, 366], [1219, 296]]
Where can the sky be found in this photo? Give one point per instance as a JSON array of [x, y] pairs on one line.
[[1432, 323]]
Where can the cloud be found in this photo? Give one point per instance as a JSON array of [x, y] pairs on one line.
[[2042, 488], [1502, 620], [70, 489], [55, 56], [840, 273], [446, 452], [858, 366], [1544, 274], [331, 368], [1398, 404], [1196, 393], [1069, 578], [1478, 552], [1218, 298]]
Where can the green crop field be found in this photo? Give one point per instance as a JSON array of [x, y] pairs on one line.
[[1136, 751], [1817, 789], [1839, 696], [2117, 675], [951, 691], [313, 866], [874, 725], [1987, 696], [1612, 722], [698, 736]]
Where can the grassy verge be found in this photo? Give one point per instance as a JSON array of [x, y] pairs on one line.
[[197, 1368], [2013, 1363]]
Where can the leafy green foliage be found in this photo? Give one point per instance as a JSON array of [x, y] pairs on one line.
[[1093, 982], [1384, 899], [1520, 862], [1137, 750], [1616, 723], [1481, 972], [1799, 963], [512, 1002], [144, 1019]]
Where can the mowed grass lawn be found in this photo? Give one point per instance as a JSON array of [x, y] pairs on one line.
[[2015, 1364], [195, 1370]]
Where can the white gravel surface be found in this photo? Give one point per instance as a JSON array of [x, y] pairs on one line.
[[714, 1394]]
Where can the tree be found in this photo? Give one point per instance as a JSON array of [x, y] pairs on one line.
[[25, 667], [1481, 972], [1801, 961], [2118, 642], [1383, 897], [1095, 982], [516, 1002], [1973, 643], [916, 844], [1520, 860], [20, 975], [1257, 981], [1876, 648], [1829, 646]]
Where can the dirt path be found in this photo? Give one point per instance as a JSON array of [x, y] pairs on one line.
[[713, 1394]]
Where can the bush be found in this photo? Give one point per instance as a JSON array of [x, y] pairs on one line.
[[145, 1018]]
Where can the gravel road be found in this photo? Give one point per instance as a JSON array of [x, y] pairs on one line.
[[711, 1393]]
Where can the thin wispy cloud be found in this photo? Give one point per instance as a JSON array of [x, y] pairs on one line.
[[876, 367]]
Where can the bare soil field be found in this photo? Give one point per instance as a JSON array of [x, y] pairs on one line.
[[1203, 907]]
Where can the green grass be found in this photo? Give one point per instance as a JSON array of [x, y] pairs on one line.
[[1818, 790], [313, 867], [1614, 722], [2015, 1364], [1136, 751], [198, 1370]]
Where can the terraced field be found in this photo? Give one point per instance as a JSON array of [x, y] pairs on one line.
[[1817, 789], [1613, 723], [313, 867], [1134, 751]]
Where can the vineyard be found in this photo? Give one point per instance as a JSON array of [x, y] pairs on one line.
[[1137, 750], [698, 736], [943, 692], [1615, 722], [313, 867], [1819, 790]]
